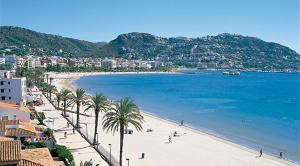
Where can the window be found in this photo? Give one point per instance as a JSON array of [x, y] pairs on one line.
[[2, 90], [2, 82], [3, 98], [8, 90], [9, 98], [8, 83], [5, 117]]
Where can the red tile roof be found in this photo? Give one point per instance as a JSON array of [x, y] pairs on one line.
[[10, 151], [24, 128]]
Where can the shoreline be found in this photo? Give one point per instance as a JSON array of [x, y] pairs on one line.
[[67, 82]]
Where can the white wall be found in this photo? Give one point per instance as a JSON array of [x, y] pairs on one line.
[[13, 89], [20, 115]]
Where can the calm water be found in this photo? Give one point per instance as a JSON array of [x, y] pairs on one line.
[[258, 110]]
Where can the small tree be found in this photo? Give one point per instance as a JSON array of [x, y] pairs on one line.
[[41, 117], [99, 104], [65, 96], [78, 98], [122, 113], [58, 99]]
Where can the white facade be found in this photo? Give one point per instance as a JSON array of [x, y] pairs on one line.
[[11, 60], [14, 114], [109, 63], [12, 89], [33, 63]]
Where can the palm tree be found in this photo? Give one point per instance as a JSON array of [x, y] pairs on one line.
[[65, 97], [79, 98], [98, 103], [51, 79], [58, 98], [122, 114], [51, 89], [44, 87], [47, 77]]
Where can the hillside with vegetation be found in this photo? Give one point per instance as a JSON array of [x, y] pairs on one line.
[[25, 41], [224, 50]]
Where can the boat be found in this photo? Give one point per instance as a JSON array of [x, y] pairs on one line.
[[232, 73]]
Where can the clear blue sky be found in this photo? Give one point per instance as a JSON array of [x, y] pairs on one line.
[[103, 20]]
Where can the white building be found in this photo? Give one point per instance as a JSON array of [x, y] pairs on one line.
[[2, 59], [12, 89], [10, 111], [111, 63], [33, 63], [20, 62], [11, 60]]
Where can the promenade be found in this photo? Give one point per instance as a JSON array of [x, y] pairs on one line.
[[79, 147]]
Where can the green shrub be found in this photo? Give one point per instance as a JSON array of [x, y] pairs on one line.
[[33, 145], [41, 117], [48, 132], [63, 153]]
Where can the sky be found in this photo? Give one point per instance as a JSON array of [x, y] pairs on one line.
[[103, 20]]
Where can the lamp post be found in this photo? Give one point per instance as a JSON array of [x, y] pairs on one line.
[[87, 136], [97, 139], [109, 154], [127, 161]]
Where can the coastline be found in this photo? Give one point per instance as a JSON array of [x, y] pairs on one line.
[[65, 80]]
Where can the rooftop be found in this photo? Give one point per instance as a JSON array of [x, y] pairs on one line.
[[40, 156], [23, 128], [6, 139], [12, 106], [10, 151]]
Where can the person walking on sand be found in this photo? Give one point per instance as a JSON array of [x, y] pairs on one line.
[[260, 153], [280, 154], [170, 139]]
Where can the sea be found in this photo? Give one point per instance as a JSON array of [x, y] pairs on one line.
[[255, 109]]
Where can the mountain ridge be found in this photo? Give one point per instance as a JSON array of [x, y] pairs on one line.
[[223, 49]]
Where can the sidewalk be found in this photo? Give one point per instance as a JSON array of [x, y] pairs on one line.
[[79, 147]]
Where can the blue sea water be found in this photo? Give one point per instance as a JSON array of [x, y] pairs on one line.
[[258, 110]]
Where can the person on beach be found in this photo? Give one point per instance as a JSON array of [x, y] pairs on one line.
[[181, 123], [170, 139], [280, 154], [260, 153], [65, 135]]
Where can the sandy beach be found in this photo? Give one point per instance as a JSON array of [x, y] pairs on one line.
[[191, 147]]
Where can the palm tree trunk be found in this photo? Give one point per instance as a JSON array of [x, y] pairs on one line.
[[50, 97], [65, 107], [121, 142], [78, 106], [96, 126]]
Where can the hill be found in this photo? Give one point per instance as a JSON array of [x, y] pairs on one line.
[[45, 44], [224, 50]]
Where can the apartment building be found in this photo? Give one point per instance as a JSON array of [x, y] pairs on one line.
[[12, 89]]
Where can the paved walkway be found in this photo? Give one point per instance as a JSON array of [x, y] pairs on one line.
[[79, 147]]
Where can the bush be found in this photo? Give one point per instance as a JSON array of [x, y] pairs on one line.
[[48, 133], [33, 145], [41, 117], [63, 153]]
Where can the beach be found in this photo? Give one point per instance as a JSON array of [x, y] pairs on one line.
[[190, 147]]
